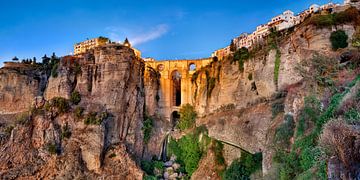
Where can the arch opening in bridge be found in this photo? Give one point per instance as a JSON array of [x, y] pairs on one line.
[[192, 67], [176, 88], [175, 117]]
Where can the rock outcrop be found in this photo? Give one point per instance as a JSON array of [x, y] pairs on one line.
[[19, 86], [98, 138], [241, 102]]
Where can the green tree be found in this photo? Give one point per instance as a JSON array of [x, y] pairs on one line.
[[187, 117], [339, 39]]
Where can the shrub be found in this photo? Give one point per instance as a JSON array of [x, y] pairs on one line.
[[147, 128], [158, 165], [242, 168], [276, 108], [217, 148], [352, 116], [148, 167], [349, 15], [61, 104], [75, 97], [23, 118], [284, 132], [51, 148], [66, 133], [79, 112], [236, 171], [190, 153], [241, 55], [339, 39], [320, 70], [8, 130], [95, 118], [187, 117]]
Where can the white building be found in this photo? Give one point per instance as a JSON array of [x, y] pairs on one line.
[[314, 8], [283, 21]]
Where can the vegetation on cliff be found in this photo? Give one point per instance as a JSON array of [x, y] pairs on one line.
[[242, 168], [350, 15], [187, 117], [189, 149], [306, 158], [147, 128], [338, 39]]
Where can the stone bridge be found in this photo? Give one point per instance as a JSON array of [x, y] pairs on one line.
[[175, 84]]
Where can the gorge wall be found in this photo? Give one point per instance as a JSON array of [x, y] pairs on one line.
[[51, 139]]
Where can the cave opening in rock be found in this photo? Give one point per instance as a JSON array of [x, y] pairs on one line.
[[176, 87]]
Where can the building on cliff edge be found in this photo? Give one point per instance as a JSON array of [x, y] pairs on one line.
[[82, 47]]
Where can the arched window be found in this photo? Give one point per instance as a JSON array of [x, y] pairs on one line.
[[192, 67], [160, 67]]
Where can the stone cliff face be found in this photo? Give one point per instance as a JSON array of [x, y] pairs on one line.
[[18, 88], [240, 102], [112, 81], [53, 141]]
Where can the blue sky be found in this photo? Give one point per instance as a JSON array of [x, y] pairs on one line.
[[162, 29]]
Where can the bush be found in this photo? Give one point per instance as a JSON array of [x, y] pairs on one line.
[[75, 97], [147, 128], [349, 15], [8, 130], [241, 55], [51, 148], [79, 112], [95, 118], [187, 117], [23, 118], [217, 148], [284, 132], [188, 152], [242, 168], [339, 39], [148, 167], [276, 108], [66, 133], [61, 104]]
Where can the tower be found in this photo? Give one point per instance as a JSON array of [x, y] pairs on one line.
[[127, 43]]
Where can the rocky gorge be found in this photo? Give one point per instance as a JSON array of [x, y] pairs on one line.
[[285, 109]]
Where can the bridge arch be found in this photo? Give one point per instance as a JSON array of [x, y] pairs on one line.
[[176, 87]]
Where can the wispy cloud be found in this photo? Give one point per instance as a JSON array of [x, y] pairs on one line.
[[137, 37]]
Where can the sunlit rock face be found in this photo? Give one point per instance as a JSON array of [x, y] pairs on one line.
[[110, 82], [19, 85]]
